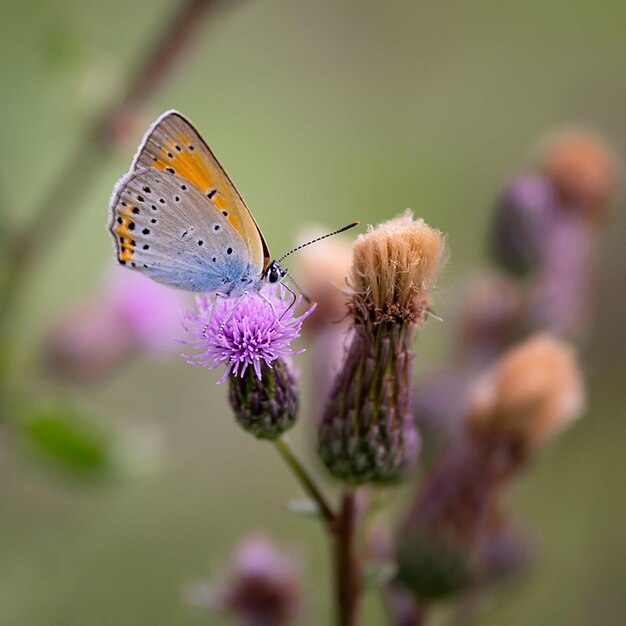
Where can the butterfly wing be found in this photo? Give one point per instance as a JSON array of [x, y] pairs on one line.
[[168, 229], [174, 146]]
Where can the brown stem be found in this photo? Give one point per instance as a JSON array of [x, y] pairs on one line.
[[347, 575], [57, 206], [341, 529]]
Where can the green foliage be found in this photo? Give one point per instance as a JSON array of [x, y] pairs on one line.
[[69, 440]]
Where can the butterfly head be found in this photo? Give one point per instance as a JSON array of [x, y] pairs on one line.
[[274, 273]]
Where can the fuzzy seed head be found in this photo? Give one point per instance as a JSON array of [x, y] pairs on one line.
[[531, 394], [584, 171], [393, 268]]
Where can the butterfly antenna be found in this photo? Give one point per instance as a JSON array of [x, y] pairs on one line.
[[308, 243]]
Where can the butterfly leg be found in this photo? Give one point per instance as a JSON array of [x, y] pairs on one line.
[[269, 302], [208, 324], [230, 313], [293, 301]]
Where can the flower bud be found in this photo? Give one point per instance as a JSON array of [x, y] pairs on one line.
[[437, 543], [522, 218], [367, 432], [266, 407], [263, 588]]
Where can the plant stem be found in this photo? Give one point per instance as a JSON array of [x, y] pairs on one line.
[[305, 478], [341, 530], [347, 575]]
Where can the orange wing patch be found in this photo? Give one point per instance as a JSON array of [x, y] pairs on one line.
[[174, 146], [181, 158], [124, 229]]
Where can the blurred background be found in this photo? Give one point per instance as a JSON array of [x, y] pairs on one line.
[[322, 112]]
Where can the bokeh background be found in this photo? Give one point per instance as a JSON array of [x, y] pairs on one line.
[[322, 112]]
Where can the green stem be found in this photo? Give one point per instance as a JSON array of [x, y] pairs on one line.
[[306, 480]]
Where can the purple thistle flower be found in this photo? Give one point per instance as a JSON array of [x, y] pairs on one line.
[[263, 587], [251, 333]]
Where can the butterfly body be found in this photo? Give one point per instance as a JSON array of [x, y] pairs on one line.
[[178, 218]]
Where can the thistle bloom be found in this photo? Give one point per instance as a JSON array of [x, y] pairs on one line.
[[367, 432], [252, 338], [252, 332]]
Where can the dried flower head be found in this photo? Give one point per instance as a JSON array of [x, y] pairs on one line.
[[393, 268], [367, 432], [584, 171], [240, 334], [533, 392]]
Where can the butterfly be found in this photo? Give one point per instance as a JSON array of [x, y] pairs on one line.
[[177, 217]]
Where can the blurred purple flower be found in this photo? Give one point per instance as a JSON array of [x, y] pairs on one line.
[[256, 331], [262, 589], [523, 216], [149, 310], [562, 298], [128, 314]]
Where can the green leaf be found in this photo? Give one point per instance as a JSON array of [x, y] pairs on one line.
[[69, 439]]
